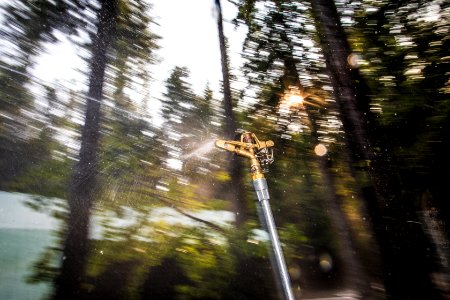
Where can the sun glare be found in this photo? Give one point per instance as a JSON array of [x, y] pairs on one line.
[[294, 100]]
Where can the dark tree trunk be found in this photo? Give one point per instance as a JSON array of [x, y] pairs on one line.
[[402, 243], [230, 124], [235, 191], [83, 183], [239, 283], [162, 280], [353, 274], [336, 51]]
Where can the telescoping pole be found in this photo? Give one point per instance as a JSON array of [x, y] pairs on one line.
[[262, 192], [259, 152]]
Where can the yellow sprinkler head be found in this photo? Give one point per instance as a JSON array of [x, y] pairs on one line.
[[259, 152]]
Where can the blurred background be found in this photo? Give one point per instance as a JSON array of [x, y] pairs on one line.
[[110, 185]]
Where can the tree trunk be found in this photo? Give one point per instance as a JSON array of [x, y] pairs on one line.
[[402, 244], [83, 182], [353, 274], [236, 192]]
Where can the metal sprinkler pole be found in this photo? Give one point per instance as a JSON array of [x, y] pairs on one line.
[[260, 154], [262, 192]]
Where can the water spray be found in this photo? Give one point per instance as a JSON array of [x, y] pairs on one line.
[[260, 154]]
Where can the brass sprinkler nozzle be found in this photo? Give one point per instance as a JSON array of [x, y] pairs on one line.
[[259, 152]]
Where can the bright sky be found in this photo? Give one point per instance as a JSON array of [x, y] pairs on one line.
[[189, 38]]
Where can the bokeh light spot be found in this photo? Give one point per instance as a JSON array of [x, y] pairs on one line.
[[320, 150], [354, 60], [325, 262]]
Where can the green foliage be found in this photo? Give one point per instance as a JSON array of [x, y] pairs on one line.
[[404, 65], [47, 178], [13, 94], [46, 267], [204, 258]]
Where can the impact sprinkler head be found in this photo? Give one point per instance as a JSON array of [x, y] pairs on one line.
[[259, 152]]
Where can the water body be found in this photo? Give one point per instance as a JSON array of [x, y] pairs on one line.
[[19, 249], [24, 235]]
